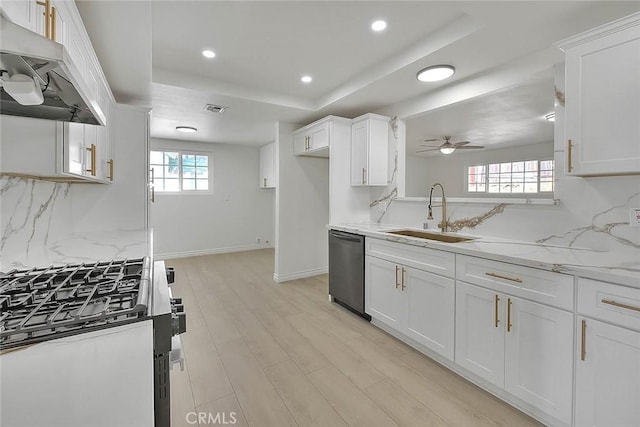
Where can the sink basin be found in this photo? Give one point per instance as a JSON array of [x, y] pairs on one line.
[[431, 236]]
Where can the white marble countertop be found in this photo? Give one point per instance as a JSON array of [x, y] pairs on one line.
[[80, 248], [616, 267]]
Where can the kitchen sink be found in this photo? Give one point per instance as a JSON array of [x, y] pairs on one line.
[[447, 238]]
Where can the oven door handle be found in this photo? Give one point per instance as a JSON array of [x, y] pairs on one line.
[[345, 236]]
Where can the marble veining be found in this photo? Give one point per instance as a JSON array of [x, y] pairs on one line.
[[392, 188], [25, 213], [606, 229], [459, 224]]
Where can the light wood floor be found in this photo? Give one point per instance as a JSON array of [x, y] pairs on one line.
[[280, 354]]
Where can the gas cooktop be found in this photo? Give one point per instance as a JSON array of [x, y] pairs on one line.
[[40, 304]]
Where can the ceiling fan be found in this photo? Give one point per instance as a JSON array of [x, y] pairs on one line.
[[447, 147]]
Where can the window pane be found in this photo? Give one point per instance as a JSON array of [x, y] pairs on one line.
[[518, 166], [171, 172], [171, 185], [202, 184], [202, 160], [495, 167], [202, 172], [156, 157], [188, 184], [531, 187], [546, 186], [171, 158], [482, 188], [188, 171], [505, 167], [157, 171], [532, 165], [159, 185], [188, 160]]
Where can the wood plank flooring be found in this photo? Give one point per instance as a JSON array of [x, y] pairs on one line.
[[280, 354]]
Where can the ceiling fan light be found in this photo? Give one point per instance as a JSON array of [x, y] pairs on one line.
[[435, 73], [447, 150]]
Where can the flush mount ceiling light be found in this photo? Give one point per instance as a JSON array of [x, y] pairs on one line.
[[186, 129], [208, 53], [447, 150], [306, 79], [435, 73], [378, 25], [551, 117]]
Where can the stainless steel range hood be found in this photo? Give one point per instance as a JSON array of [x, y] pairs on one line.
[[66, 95]]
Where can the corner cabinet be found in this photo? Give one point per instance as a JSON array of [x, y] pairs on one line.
[[602, 96], [268, 166], [315, 139], [370, 150]]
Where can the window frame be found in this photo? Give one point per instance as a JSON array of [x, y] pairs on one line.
[[181, 177], [537, 194]]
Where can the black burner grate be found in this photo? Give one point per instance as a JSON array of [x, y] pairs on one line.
[[45, 303]]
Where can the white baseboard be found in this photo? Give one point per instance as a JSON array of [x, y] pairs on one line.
[[300, 274], [213, 251]]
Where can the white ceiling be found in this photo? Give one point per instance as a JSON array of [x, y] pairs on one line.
[[264, 47]]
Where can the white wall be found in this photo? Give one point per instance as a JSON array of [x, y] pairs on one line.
[[450, 170], [228, 219], [302, 210]]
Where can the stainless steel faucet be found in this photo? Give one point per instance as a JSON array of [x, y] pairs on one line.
[[443, 225]]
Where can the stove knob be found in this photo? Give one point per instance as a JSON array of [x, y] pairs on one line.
[[178, 323], [177, 308], [175, 301], [171, 275]]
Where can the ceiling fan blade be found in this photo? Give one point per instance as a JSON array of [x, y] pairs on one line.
[[433, 146], [431, 140], [430, 149], [457, 144], [466, 147]]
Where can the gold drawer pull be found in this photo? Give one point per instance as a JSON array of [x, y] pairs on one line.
[[497, 299], [403, 271], [583, 346], [569, 147], [621, 305], [110, 163], [92, 151], [504, 277], [397, 269], [364, 176], [509, 325]]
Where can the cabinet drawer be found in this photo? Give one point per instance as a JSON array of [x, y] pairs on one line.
[[609, 302], [434, 261], [543, 286]]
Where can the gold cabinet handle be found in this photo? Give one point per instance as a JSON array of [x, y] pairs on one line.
[[110, 176], [52, 26], [364, 176], [265, 182], [92, 169], [569, 147], [403, 272], [621, 305], [496, 301], [509, 325], [504, 277], [47, 17], [583, 346], [153, 189], [397, 269]]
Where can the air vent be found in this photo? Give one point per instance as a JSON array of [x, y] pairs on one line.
[[215, 108]]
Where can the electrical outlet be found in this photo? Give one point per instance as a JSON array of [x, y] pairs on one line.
[[634, 217]]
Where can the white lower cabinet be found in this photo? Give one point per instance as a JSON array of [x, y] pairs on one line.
[[607, 375], [416, 303], [518, 345]]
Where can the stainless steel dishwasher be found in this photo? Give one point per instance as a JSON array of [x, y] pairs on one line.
[[346, 270]]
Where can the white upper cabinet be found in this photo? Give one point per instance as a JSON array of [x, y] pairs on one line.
[[313, 139], [602, 99], [267, 166], [369, 150]]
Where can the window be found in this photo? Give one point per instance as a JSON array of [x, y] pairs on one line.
[[528, 176], [176, 171]]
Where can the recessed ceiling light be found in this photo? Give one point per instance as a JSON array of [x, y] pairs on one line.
[[306, 79], [551, 117], [186, 129], [378, 25], [208, 53], [435, 73]]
